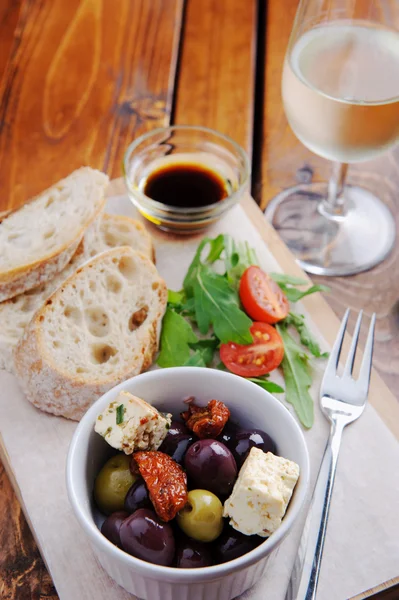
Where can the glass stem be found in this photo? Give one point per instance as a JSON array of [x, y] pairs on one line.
[[334, 203]]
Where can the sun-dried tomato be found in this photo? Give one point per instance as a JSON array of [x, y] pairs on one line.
[[166, 482], [206, 421]]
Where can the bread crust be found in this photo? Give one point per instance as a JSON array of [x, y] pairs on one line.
[[49, 386], [16, 313], [18, 281], [26, 277]]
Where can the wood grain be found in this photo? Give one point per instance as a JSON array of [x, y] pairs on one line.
[[9, 13], [23, 575], [85, 77], [216, 80], [286, 162], [386, 591], [283, 157]]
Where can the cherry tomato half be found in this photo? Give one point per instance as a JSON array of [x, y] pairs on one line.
[[261, 297], [259, 358]]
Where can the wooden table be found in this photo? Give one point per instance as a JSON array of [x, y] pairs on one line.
[[80, 79]]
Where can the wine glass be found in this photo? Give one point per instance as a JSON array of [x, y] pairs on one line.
[[340, 91]]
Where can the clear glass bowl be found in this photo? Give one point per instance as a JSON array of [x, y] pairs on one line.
[[188, 145]]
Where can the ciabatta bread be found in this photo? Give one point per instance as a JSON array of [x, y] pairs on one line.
[[105, 233], [40, 238], [112, 231], [99, 328]]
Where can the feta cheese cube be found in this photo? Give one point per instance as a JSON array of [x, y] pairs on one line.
[[130, 424], [261, 493]]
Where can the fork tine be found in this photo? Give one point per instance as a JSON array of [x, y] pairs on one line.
[[352, 352], [336, 349], [365, 368]]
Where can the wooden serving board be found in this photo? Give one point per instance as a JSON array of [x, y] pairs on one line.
[[34, 445]]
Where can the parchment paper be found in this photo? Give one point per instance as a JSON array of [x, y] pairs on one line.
[[362, 545]]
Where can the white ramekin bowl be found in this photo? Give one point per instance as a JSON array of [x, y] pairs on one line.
[[251, 406]]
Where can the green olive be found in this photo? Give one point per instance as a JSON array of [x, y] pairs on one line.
[[112, 484], [202, 517]]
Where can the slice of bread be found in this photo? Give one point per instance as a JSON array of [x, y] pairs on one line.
[[116, 230], [99, 328], [40, 238], [106, 232]]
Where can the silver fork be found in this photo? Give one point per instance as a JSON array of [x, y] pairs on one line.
[[342, 401]]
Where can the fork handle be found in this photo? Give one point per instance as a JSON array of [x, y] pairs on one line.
[[305, 574]]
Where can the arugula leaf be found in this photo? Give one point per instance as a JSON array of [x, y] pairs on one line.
[[206, 348], [294, 295], [176, 297], [297, 378], [176, 300], [195, 360], [195, 266], [269, 386], [176, 336], [216, 303], [221, 366], [231, 255], [298, 321], [210, 299], [238, 257], [188, 308], [216, 248], [287, 279]]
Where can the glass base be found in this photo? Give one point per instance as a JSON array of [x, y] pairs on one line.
[[325, 244]]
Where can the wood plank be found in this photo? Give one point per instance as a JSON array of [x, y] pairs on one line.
[[83, 80], [283, 156], [283, 163], [9, 13], [23, 575], [216, 80], [386, 591]]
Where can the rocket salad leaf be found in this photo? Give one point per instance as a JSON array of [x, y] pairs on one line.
[[238, 257], [289, 282], [294, 295], [176, 335], [215, 300], [269, 386], [298, 321], [176, 298], [287, 279], [209, 303], [216, 304], [297, 378], [206, 349], [195, 360], [216, 248]]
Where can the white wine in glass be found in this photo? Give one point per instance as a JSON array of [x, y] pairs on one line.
[[340, 91]]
